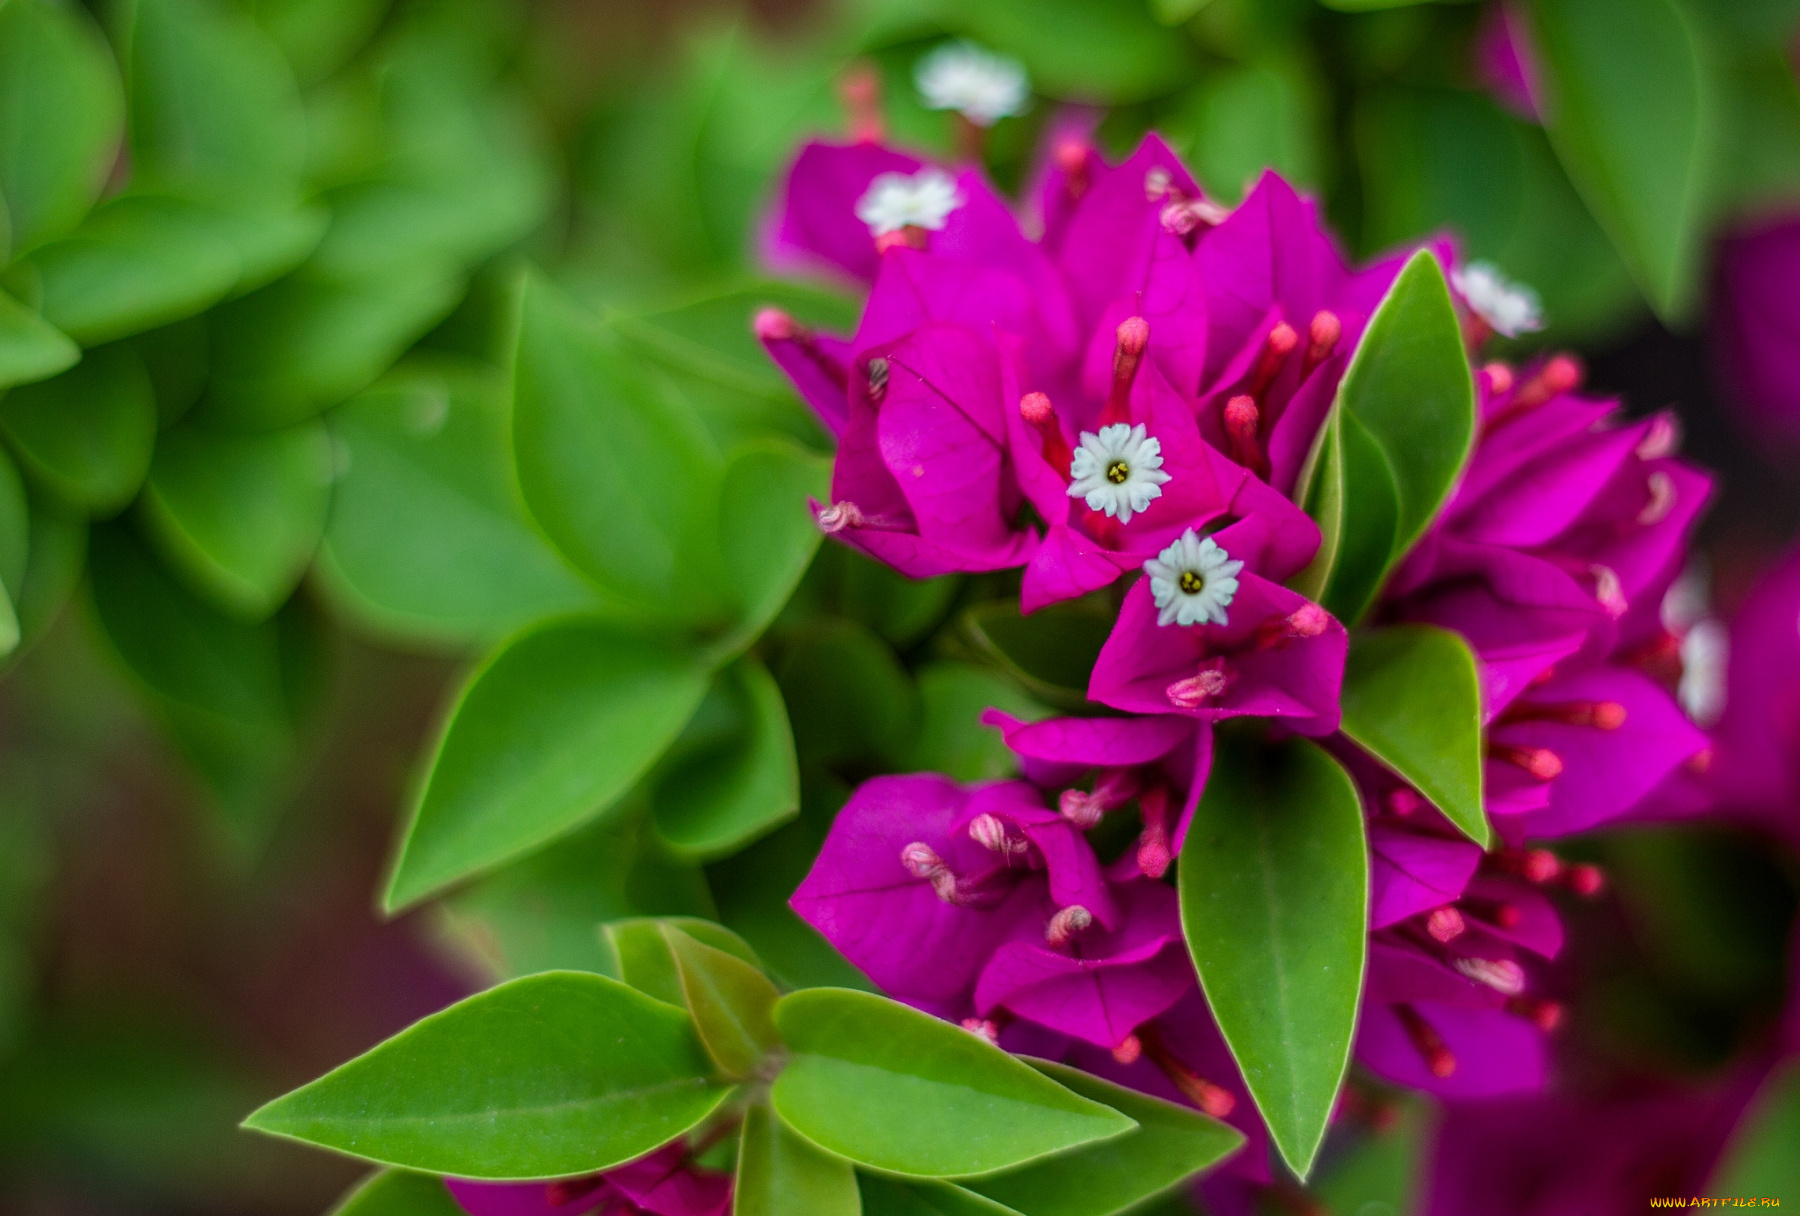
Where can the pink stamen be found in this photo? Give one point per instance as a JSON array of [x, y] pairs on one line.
[[1403, 801], [568, 1190], [1182, 216], [1501, 974], [1040, 415], [1276, 348], [1537, 866], [1154, 854], [1426, 1042], [1157, 181], [841, 515], [1072, 158], [1134, 336], [1585, 879], [1699, 762], [859, 88], [1066, 924], [1601, 715], [1545, 1015], [1129, 1049], [1445, 924], [1499, 378], [1539, 762], [1191, 692], [922, 861], [1321, 340], [774, 325], [992, 834], [1661, 440], [1560, 374], [1212, 1099], [1608, 590], [1505, 915], [910, 237], [983, 1028], [1661, 488], [1242, 420], [878, 380]]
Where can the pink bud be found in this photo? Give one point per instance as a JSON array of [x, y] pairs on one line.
[[1080, 808], [1308, 621], [1445, 924], [774, 325], [840, 515], [1066, 924], [1129, 1049]]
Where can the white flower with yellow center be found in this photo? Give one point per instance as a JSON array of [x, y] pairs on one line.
[[1509, 308], [1193, 581], [980, 85], [1118, 471], [908, 200]]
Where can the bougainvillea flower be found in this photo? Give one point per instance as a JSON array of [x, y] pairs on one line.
[[664, 1183], [1756, 323], [1506, 61]]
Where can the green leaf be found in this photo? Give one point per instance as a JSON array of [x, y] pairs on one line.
[[1382, 1167], [730, 1001], [1051, 652], [752, 890], [902, 1092], [398, 1193], [589, 424], [642, 957], [318, 36], [304, 344], [428, 540], [240, 515], [896, 1197], [1627, 96], [731, 778], [1760, 1159], [766, 530], [87, 434], [1274, 904], [57, 553], [1087, 48], [1169, 1144], [62, 116], [15, 525], [849, 698], [551, 731], [138, 261], [1412, 698], [952, 739], [560, 1073], [30, 347], [780, 1174], [1250, 118]]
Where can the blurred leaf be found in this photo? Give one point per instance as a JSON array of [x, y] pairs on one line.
[[622, 477], [1412, 697], [1244, 119], [240, 515], [398, 1193], [780, 1174], [302, 345], [550, 732], [30, 347], [1274, 905], [1760, 1159], [894, 1197], [176, 358], [736, 781], [1626, 99], [1759, 158], [952, 739], [1380, 1171], [560, 1073], [766, 530], [849, 699], [1087, 50], [1169, 1144], [643, 957], [318, 36], [62, 117], [1051, 652], [136, 262], [57, 552], [903, 1092], [15, 526], [87, 434], [752, 890], [428, 538], [730, 1001]]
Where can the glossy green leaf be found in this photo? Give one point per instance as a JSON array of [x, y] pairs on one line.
[[317, 36], [902, 1092], [848, 697], [15, 525], [10, 630], [752, 889], [1760, 1159], [398, 1193], [56, 556], [1051, 652], [730, 1001], [731, 778], [62, 116], [304, 344], [551, 731], [560, 1073], [1382, 1167], [87, 434], [952, 739], [1170, 1144], [780, 1174], [642, 958], [923, 1197], [240, 515], [1627, 101], [136, 262], [619, 473], [30, 347], [1274, 905], [269, 235], [1250, 118], [1412, 697], [428, 539], [766, 530]]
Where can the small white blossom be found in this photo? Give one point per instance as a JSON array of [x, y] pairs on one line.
[[908, 200], [1193, 581], [1510, 308], [1118, 471], [982, 86], [1705, 649]]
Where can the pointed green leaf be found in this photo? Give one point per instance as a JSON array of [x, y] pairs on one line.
[[560, 1073], [735, 779], [923, 1197], [617, 470], [902, 1092], [57, 556], [240, 515], [1362, 530], [1274, 904], [553, 730], [849, 699], [1170, 1144], [1627, 94], [30, 347], [766, 530], [780, 1174], [1051, 652], [62, 116], [398, 1193], [428, 539], [1412, 697], [10, 633], [1760, 1159], [87, 434], [730, 1002], [642, 957]]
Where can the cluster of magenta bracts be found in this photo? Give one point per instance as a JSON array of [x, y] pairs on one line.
[[984, 364]]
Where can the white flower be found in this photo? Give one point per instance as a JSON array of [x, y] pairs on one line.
[[908, 200], [1705, 649], [1511, 308], [1118, 471], [983, 86], [1193, 581]]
